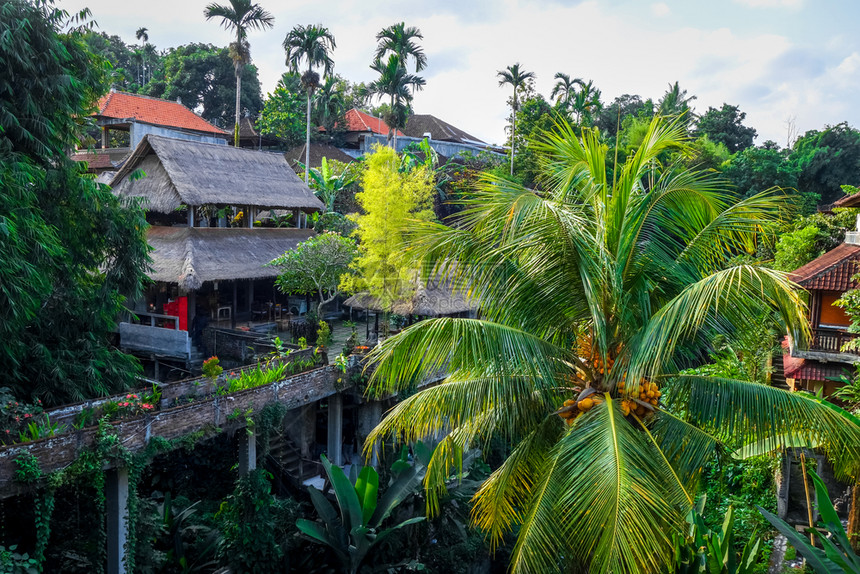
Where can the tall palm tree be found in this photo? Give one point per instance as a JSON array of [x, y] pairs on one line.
[[143, 36], [515, 77], [239, 16], [564, 89], [312, 45], [589, 290], [586, 102], [400, 40], [397, 84]]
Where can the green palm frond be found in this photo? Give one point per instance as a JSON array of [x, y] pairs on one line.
[[603, 499], [467, 347], [730, 296], [750, 412], [499, 503]]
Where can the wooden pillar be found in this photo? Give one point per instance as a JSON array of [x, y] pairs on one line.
[[250, 294], [251, 216], [247, 451], [116, 499], [335, 429], [105, 137], [235, 303], [190, 215]]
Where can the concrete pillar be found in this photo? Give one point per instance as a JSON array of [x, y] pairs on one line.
[[335, 429], [247, 452], [116, 498], [369, 415]]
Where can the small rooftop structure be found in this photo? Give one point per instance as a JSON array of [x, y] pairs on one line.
[[250, 136], [182, 172], [141, 115]]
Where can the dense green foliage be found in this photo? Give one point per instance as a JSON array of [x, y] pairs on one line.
[[70, 251], [201, 77], [725, 126]]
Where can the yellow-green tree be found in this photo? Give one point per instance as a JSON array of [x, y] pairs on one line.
[[393, 199]]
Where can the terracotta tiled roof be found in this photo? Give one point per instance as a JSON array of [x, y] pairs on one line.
[[358, 121], [809, 370], [833, 271], [122, 105], [94, 160]]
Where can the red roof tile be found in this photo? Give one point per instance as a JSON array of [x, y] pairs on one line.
[[94, 160], [358, 121], [833, 271], [809, 370], [121, 105]]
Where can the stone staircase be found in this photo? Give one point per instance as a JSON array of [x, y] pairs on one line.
[[195, 360], [777, 377], [284, 460]]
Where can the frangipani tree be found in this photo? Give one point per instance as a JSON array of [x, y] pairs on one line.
[[587, 291]]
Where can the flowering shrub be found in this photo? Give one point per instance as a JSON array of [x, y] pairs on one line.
[[15, 416], [212, 367], [132, 405]]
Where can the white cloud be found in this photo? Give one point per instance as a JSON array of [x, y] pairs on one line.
[[660, 9], [792, 4]]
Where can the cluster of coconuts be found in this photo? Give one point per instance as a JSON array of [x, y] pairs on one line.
[[631, 402]]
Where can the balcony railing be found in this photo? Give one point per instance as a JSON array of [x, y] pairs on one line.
[[832, 341]]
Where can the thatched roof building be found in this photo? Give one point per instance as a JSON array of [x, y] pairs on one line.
[[188, 256], [434, 299], [182, 172], [318, 151]]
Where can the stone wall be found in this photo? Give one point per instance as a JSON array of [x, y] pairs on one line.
[[57, 452]]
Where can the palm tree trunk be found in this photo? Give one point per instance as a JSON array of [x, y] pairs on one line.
[[513, 131], [238, 104], [308, 141], [854, 517]]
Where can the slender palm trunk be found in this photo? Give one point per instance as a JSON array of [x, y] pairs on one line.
[[308, 140], [238, 104], [391, 132], [514, 131]]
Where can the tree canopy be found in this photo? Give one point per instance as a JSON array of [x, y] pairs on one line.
[[70, 251], [725, 126]]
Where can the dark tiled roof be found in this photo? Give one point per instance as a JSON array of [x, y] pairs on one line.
[[833, 271], [420, 124], [318, 151], [121, 105]]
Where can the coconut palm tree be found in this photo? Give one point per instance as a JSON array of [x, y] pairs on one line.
[[564, 89], [239, 16], [312, 45], [400, 40], [592, 293], [515, 77], [329, 102], [397, 84]]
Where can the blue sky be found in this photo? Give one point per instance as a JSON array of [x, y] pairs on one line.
[[784, 62]]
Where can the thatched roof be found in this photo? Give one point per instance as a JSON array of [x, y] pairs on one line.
[[191, 255], [183, 172], [318, 151], [434, 299]]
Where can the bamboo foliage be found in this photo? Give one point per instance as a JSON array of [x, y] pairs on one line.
[[601, 278]]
